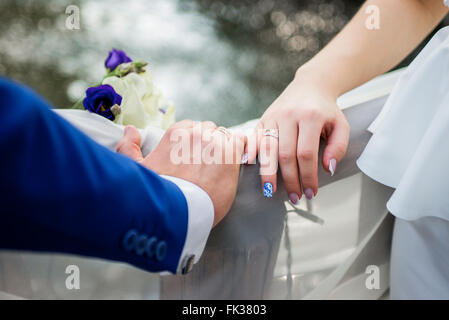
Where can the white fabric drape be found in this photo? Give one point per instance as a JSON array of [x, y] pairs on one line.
[[409, 149]]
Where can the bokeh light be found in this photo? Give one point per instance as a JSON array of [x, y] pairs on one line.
[[224, 60]]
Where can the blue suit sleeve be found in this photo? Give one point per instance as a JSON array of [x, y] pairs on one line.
[[62, 192]]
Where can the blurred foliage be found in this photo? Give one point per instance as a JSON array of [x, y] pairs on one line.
[[229, 76], [29, 22], [284, 33], [287, 33]]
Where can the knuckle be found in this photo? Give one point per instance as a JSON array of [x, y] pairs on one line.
[[209, 124], [286, 157], [311, 114], [289, 113], [306, 155]]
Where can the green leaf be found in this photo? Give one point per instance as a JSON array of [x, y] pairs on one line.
[[78, 105]]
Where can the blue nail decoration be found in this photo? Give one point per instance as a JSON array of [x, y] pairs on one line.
[[268, 190]]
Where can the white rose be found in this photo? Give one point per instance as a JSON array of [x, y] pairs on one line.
[[142, 104]]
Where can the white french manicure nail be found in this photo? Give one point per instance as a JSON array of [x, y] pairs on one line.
[[332, 166], [245, 158]]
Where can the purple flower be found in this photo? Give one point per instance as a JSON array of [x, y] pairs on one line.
[[100, 100], [115, 58]]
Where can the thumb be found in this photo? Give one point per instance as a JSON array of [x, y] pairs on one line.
[[129, 145], [337, 145]]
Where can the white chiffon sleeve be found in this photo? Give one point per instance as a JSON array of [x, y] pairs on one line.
[[409, 148], [106, 132]]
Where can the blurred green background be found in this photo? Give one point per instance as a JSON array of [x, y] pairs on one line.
[[223, 60]]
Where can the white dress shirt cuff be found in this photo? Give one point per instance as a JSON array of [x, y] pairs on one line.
[[200, 220]]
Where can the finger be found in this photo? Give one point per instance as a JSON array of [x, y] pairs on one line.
[[129, 145], [337, 145], [253, 143], [223, 133], [220, 142], [288, 141], [239, 143], [268, 158], [307, 154], [207, 129], [183, 124], [208, 125]]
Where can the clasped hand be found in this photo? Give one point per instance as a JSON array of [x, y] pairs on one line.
[[198, 152]]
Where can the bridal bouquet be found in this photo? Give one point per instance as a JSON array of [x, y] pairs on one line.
[[127, 95]]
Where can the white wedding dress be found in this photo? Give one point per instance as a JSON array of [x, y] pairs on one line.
[[409, 151]]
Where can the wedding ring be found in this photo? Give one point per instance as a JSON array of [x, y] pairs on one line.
[[224, 131], [271, 133]]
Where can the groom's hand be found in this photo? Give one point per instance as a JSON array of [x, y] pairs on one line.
[[201, 153]]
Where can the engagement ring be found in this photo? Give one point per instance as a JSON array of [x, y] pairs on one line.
[[224, 131], [271, 133]]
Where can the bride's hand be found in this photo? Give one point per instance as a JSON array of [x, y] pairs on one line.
[[303, 113]]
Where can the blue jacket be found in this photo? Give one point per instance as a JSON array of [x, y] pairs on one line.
[[62, 192]]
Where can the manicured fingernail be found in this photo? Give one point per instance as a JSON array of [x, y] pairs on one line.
[[245, 158], [294, 198], [268, 190], [309, 193], [332, 166]]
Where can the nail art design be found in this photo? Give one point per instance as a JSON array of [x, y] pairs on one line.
[[309, 193], [245, 158], [332, 166], [294, 198], [268, 190]]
